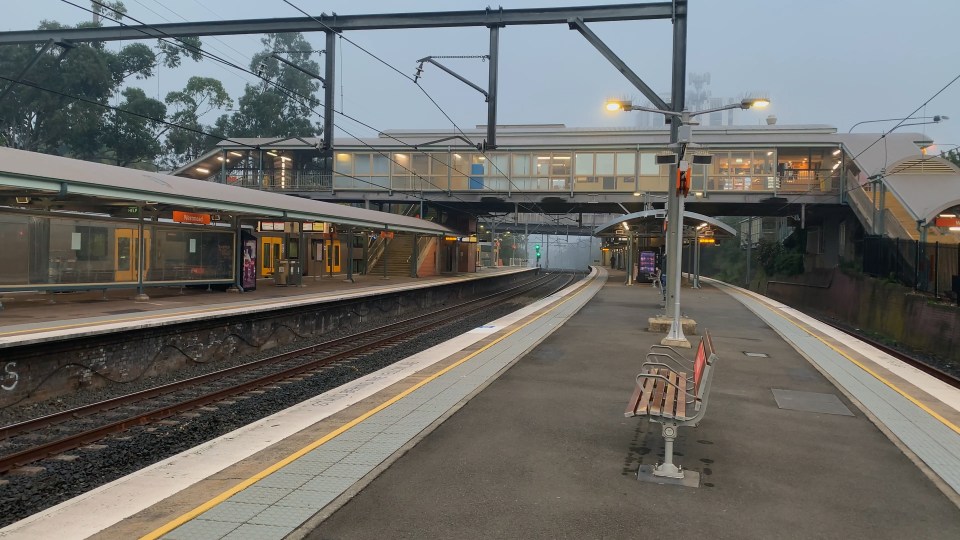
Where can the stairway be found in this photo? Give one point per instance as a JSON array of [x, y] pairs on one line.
[[399, 250]]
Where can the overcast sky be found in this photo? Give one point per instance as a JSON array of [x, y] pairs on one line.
[[833, 62]]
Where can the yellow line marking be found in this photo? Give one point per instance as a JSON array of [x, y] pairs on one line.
[[877, 376], [164, 529]]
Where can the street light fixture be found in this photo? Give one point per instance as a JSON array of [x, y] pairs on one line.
[[674, 242]]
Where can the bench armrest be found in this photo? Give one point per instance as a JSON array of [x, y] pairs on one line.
[[686, 366]]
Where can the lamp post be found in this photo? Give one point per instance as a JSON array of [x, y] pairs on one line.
[[674, 244]]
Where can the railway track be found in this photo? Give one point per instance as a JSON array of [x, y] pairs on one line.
[[33, 440], [931, 370]]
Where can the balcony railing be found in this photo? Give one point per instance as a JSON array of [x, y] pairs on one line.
[[824, 181]]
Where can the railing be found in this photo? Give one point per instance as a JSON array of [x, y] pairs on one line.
[[275, 180], [825, 181], [928, 267]]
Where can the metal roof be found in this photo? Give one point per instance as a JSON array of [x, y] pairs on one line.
[[662, 214], [24, 173]]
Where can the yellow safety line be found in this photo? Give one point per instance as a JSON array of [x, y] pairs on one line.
[[164, 529], [880, 378]]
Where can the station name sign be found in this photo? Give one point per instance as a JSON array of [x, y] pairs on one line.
[[947, 222], [191, 217]]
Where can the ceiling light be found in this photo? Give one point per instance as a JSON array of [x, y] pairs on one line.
[[238, 154], [204, 171], [219, 158], [948, 215], [954, 229], [770, 153], [836, 152], [636, 193]]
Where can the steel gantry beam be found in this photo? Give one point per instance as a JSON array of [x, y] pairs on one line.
[[345, 23]]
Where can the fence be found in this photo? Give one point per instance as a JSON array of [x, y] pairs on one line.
[[932, 268]]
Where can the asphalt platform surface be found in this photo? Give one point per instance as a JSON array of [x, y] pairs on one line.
[[545, 451]]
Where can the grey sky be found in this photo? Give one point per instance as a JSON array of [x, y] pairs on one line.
[[821, 62]]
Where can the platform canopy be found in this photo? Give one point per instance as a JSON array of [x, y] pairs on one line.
[[648, 217], [36, 181]]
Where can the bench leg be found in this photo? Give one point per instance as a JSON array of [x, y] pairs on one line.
[[667, 468]]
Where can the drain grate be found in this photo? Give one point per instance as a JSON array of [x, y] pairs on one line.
[[756, 354]]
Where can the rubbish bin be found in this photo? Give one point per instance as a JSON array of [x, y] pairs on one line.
[[295, 277], [283, 270]]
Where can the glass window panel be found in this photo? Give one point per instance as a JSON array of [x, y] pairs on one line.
[[344, 163], [361, 164], [461, 163], [421, 164], [626, 164], [648, 165], [499, 165], [381, 165], [401, 164], [584, 164], [521, 165], [604, 164], [560, 165], [15, 239]]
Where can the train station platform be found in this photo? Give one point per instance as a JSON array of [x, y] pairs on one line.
[[32, 316], [516, 429]]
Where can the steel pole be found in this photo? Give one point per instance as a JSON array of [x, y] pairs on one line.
[[674, 201]]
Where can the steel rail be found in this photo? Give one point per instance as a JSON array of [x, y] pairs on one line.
[[422, 324]]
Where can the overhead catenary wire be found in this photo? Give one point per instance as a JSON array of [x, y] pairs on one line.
[[293, 95], [432, 100], [296, 96], [249, 146]]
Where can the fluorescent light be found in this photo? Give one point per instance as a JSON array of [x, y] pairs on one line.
[[284, 158], [948, 215], [739, 160], [835, 165], [636, 193], [238, 154], [770, 153], [561, 157], [836, 152], [272, 153], [458, 156], [204, 171], [543, 157], [954, 229], [219, 158]]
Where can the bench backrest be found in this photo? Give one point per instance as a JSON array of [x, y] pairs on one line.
[[699, 364]]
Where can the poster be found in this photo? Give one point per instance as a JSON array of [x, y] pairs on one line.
[[249, 277]]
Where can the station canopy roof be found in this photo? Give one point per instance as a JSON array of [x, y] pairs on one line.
[[44, 182]]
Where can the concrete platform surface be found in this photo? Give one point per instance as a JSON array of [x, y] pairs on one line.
[[545, 452]]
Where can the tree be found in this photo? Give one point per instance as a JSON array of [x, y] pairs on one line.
[[283, 109], [187, 141], [34, 118], [132, 139], [953, 156]]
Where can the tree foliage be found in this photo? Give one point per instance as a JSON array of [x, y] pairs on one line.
[[953, 156], [41, 115], [186, 141], [284, 106], [36, 119]]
